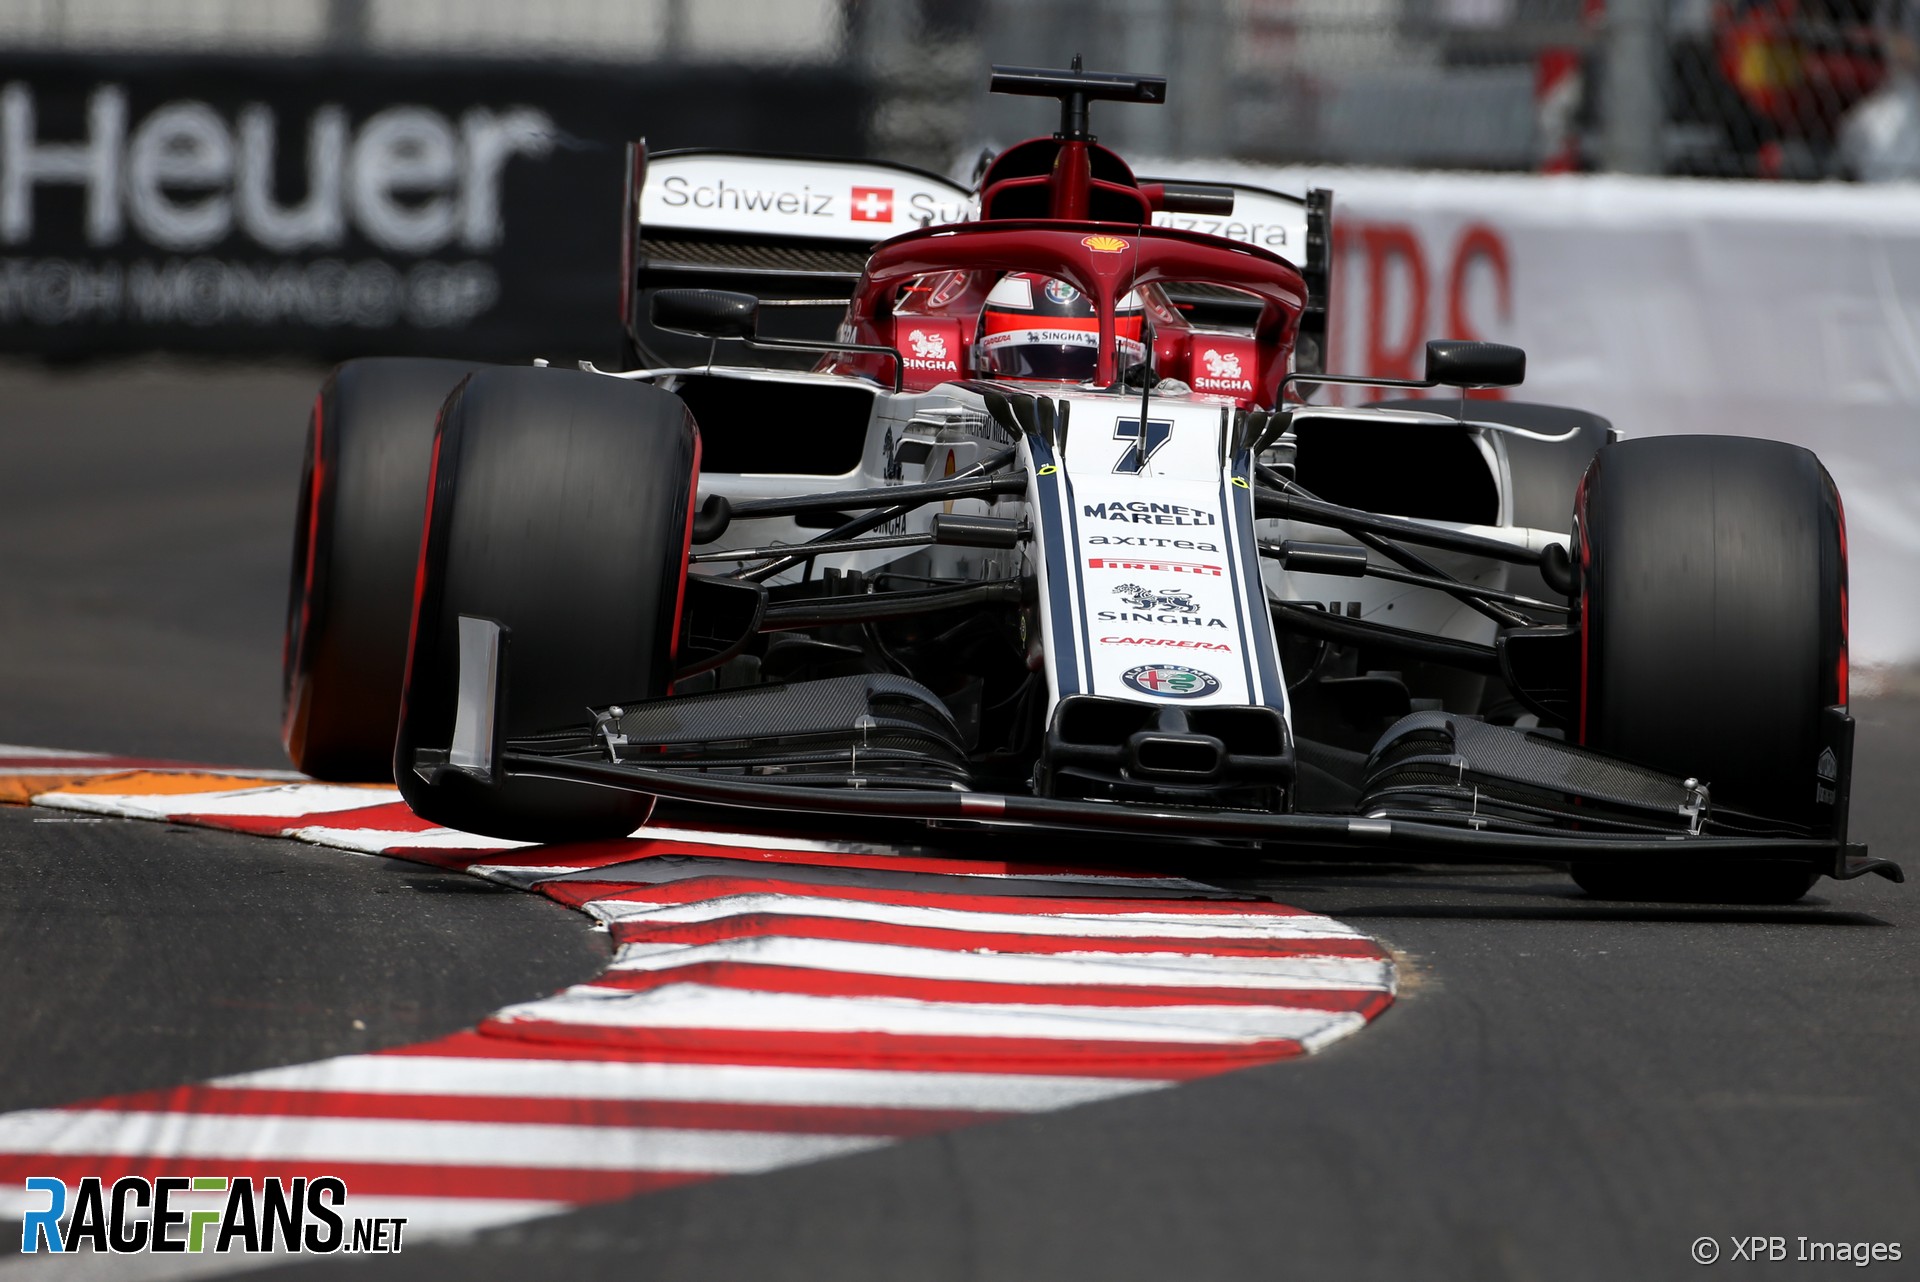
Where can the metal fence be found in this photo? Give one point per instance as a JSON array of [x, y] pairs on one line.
[[1784, 89], [789, 31], [1793, 89]]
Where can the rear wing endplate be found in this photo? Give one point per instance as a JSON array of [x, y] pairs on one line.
[[1299, 229], [794, 230]]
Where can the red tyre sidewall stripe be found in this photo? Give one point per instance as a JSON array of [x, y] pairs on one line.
[[420, 561], [1842, 674], [686, 552], [293, 654]]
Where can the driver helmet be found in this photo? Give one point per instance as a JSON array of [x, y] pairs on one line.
[[1041, 327]]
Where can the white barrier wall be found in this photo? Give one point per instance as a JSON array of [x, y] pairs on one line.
[[1667, 306]]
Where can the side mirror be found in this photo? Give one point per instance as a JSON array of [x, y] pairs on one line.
[[710, 313], [1457, 362]]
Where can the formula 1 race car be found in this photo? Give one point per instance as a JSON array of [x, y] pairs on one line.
[[1021, 517]]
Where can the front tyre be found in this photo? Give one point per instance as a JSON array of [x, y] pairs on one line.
[[1713, 639], [560, 506], [356, 544]]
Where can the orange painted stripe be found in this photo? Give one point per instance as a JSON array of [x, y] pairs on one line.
[[18, 790]]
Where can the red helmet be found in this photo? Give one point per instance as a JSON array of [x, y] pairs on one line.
[[1040, 327]]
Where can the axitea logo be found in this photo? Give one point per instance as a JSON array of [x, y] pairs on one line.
[[203, 1213]]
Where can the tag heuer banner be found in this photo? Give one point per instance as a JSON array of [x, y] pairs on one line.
[[341, 208]]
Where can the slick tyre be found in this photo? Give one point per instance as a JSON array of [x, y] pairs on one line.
[[356, 541], [1713, 631], [561, 508]]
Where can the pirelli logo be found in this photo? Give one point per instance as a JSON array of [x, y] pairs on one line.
[[1162, 567]]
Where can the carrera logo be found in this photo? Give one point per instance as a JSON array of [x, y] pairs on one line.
[[872, 204], [1105, 244], [1177, 643], [1154, 567]]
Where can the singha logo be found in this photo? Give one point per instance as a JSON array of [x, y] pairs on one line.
[[930, 347], [1145, 599], [1222, 365]]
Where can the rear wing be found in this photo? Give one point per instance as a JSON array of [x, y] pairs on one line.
[[794, 230], [797, 230]]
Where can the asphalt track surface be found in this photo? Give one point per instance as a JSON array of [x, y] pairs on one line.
[[1567, 1089]]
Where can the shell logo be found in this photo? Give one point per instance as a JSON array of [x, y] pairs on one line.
[[1104, 244]]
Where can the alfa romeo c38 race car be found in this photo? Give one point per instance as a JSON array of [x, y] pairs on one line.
[[1024, 517]]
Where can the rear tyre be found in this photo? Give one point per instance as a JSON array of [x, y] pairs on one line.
[[1713, 632], [356, 541], [561, 507]]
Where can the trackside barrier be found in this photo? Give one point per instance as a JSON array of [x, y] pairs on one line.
[[1668, 306], [335, 206]]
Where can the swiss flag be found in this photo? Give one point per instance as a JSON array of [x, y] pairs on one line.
[[873, 204]]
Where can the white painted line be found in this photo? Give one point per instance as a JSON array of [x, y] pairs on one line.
[[755, 841], [692, 1083], [25, 750], [375, 841], [83, 1132], [1093, 969], [1223, 967], [288, 801], [1113, 925], [700, 1006]]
